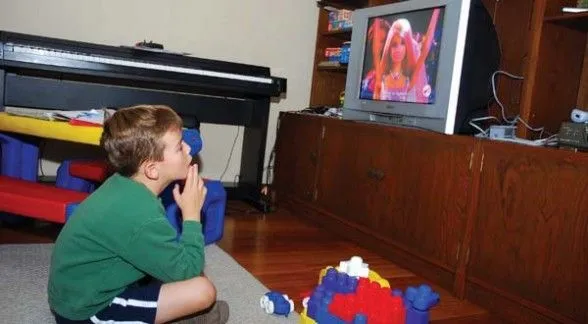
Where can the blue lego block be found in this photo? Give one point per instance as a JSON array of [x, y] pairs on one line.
[[339, 282], [418, 302], [322, 313], [332, 283], [277, 303], [359, 319]]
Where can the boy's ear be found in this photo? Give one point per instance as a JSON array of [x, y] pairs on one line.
[[151, 170]]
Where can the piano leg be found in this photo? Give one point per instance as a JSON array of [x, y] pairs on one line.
[[2, 73], [252, 158]]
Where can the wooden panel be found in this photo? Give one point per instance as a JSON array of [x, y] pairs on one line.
[[297, 154], [336, 189], [558, 76], [374, 175], [428, 213], [582, 100], [512, 21], [531, 236]]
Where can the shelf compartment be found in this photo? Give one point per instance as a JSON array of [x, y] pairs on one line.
[[344, 34]]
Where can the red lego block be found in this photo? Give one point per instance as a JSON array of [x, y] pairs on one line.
[[370, 299], [36, 200]]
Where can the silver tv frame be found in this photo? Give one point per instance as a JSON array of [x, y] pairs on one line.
[[439, 116]]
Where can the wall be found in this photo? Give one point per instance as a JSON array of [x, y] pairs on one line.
[[278, 34]]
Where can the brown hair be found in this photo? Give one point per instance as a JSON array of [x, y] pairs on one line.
[[133, 135]]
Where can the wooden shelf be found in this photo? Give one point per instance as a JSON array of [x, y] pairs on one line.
[[343, 4], [344, 34], [340, 68], [578, 21]]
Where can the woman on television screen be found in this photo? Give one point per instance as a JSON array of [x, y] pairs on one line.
[[403, 76]]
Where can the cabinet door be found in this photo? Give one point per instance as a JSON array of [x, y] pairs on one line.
[[374, 175], [428, 209], [297, 154], [334, 185], [355, 181], [531, 234]]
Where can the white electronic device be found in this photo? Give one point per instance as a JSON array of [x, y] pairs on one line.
[[579, 116]]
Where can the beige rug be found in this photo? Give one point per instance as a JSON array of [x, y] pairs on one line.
[[23, 284]]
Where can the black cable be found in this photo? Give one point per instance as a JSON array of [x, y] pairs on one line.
[[231, 154]]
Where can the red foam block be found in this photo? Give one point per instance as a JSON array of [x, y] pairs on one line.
[[36, 200], [94, 170]]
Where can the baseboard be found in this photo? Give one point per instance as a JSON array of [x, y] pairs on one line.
[[514, 309]]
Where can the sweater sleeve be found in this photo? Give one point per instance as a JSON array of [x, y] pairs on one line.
[[154, 250]]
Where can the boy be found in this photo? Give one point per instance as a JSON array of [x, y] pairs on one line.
[[119, 236]]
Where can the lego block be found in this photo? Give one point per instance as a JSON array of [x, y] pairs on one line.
[[277, 303]]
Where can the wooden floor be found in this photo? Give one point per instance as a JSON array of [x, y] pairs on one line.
[[286, 253]]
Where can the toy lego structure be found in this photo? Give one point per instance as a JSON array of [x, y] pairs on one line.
[[277, 303], [340, 298]]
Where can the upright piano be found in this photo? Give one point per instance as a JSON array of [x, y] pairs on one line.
[[51, 73]]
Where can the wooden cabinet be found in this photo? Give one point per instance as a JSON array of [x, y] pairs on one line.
[[297, 156], [502, 224], [531, 231]]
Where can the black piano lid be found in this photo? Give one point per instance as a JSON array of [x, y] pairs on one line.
[[131, 54], [160, 79]]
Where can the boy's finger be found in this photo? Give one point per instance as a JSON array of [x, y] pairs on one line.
[[196, 176], [189, 178], [176, 192]]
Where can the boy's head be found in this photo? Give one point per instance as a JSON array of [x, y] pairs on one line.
[[146, 139]]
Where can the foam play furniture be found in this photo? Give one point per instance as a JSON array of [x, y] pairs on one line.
[[19, 157], [35, 200]]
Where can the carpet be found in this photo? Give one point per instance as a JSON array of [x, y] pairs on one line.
[[24, 272]]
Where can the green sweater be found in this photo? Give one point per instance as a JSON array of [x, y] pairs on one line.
[[115, 237]]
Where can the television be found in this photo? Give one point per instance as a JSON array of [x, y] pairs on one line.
[[421, 63]]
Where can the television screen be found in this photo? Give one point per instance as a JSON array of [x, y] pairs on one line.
[[401, 56]]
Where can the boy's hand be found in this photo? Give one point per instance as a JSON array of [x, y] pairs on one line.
[[192, 197]]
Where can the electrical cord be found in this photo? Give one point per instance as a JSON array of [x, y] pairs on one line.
[[230, 154], [513, 121]]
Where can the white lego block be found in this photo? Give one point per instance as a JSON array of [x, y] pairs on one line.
[[355, 267]]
